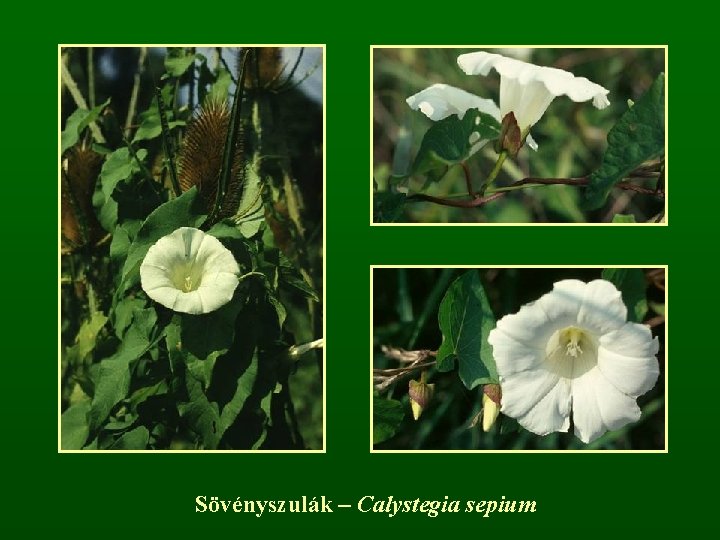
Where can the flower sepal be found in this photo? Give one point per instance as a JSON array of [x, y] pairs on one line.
[[492, 395]]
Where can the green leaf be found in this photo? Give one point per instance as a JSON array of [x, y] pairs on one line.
[[118, 166], [74, 428], [448, 142], [638, 136], [150, 127], [388, 206], [387, 416], [178, 61], [76, 123], [124, 312], [185, 211], [111, 376], [87, 335], [203, 335], [123, 238], [219, 91], [465, 320], [136, 439], [633, 286], [291, 277], [251, 212], [623, 218]]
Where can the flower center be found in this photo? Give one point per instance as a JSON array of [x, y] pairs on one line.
[[187, 277], [571, 351]]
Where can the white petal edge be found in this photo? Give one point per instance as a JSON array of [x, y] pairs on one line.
[[522, 391], [442, 100], [603, 309], [551, 413], [599, 407], [512, 356], [557, 81]]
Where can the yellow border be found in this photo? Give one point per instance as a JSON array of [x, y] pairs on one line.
[[324, 269], [431, 224], [498, 451]]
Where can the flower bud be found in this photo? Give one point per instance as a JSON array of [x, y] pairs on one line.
[[420, 395], [511, 138], [491, 405]]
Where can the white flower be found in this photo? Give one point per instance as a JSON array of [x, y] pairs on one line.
[[527, 89], [441, 100], [573, 352], [189, 271]]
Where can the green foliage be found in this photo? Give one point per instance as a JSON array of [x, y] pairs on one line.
[[622, 218], [137, 376], [74, 426], [179, 60], [76, 124], [120, 165], [638, 136], [465, 320], [633, 286], [251, 211], [387, 416], [388, 206], [451, 140]]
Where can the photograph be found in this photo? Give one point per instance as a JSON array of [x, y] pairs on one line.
[[519, 359], [518, 135], [191, 248]]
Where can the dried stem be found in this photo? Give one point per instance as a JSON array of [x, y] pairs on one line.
[[77, 96], [135, 90], [417, 360]]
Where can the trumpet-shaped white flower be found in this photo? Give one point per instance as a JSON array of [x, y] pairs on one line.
[[527, 90], [572, 352], [442, 100], [189, 271]]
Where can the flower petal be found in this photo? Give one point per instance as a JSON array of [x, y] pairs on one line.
[[563, 303], [190, 302], [557, 81], [217, 290], [178, 266], [530, 326], [631, 339], [603, 309], [512, 356], [527, 101], [164, 295], [598, 406], [552, 413], [522, 391], [635, 370], [441, 100]]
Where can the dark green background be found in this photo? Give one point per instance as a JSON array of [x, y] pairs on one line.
[[152, 494]]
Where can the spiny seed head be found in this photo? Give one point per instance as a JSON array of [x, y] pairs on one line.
[[201, 157], [78, 223]]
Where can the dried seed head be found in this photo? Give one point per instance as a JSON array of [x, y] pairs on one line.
[[78, 222], [201, 157]]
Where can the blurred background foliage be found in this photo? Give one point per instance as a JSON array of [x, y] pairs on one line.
[[405, 311], [289, 81], [571, 136]]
